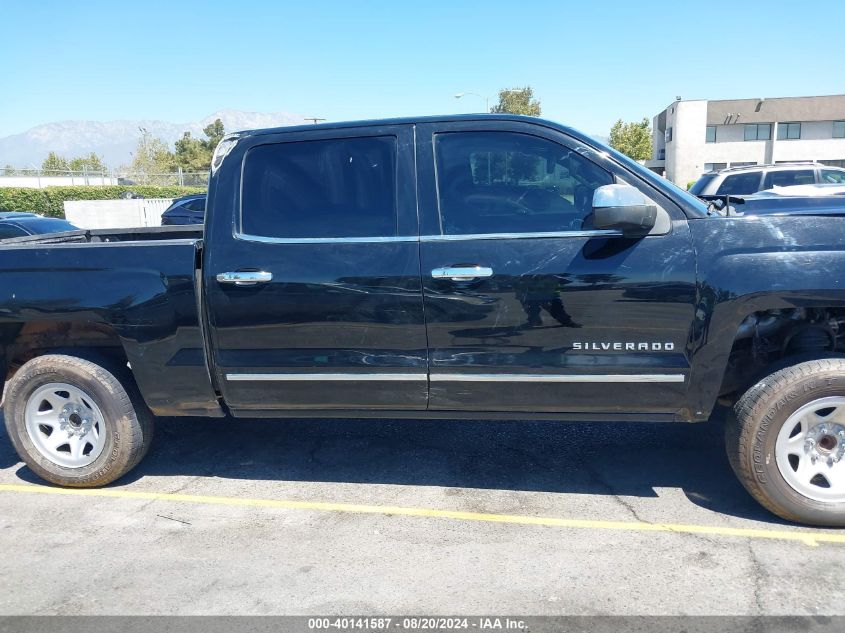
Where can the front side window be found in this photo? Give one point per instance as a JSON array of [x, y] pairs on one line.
[[789, 131], [789, 177], [839, 129], [739, 184], [332, 188], [833, 175], [710, 135], [504, 182], [758, 131]]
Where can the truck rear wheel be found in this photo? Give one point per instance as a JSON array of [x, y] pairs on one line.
[[786, 442], [75, 422]]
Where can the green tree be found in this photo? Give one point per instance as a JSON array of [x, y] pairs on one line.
[[194, 154], [152, 160], [91, 164], [517, 101], [55, 163], [632, 139], [214, 133]]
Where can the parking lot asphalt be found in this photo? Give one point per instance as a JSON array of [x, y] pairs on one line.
[[412, 517]]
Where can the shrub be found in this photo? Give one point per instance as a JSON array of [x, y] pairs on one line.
[[50, 201], [690, 184]]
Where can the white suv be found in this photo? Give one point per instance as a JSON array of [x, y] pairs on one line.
[[742, 181]]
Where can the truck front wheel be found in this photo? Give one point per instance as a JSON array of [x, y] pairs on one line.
[[74, 422], [786, 442]]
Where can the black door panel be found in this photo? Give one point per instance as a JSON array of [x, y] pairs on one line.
[[567, 314], [340, 324]]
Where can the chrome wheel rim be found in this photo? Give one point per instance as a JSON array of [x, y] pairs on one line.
[[65, 425], [810, 450]]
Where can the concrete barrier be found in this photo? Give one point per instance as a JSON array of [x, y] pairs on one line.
[[116, 214]]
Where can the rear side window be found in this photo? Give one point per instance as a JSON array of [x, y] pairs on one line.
[[740, 184], [787, 178], [195, 205], [321, 189], [833, 175]]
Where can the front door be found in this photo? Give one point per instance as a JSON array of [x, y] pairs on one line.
[[312, 277], [528, 307]]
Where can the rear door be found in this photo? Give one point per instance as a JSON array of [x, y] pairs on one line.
[[529, 308], [312, 273]]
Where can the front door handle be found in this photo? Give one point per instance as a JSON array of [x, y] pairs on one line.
[[462, 273], [245, 277]]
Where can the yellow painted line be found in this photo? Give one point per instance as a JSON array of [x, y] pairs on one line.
[[802, 536]]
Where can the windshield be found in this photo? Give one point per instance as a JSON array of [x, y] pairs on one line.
[[701, 183]]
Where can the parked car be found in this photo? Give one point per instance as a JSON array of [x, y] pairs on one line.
[[475, 266], [15, 224], [818, 199], [185, 210], [740, 181]]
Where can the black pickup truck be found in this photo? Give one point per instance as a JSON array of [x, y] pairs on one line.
[[454, 267]]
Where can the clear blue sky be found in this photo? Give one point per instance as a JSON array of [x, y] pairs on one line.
[[589, 62]]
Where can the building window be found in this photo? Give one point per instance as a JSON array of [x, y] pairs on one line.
[[661, 153], [758, 131], [711, 134], [789, 131], [714, 166], [839, 129], [833, 163], [743, 164], [667, 135]]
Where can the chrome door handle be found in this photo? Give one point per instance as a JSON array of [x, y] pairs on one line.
[[245, 277], [462, 273]]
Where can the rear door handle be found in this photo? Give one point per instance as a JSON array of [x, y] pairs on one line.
[[462, 273], [245, 277]]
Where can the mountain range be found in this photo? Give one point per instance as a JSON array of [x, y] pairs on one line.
[[114, 141]]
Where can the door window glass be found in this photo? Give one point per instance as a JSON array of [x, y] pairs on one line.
[[321, 189], [833, 175], [740, 184], [506, 182], [787, 178]]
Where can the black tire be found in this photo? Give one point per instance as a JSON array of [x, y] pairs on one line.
[[129, 424], [752, 429]]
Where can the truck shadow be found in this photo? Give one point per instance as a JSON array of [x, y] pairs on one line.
[[626, 459]]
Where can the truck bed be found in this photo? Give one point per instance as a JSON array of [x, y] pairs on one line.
[[140, 285]]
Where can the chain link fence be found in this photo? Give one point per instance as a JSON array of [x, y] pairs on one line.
[[39, 178]]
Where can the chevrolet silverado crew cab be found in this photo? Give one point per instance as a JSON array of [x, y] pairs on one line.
[[485, 266]]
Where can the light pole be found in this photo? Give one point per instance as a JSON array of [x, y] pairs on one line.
[[475, 94]]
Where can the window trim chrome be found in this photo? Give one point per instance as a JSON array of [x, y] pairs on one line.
[[324, 240]]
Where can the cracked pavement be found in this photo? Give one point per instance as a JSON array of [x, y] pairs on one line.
[[96, 555]]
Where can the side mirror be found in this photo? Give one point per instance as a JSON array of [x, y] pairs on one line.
[[623, 208]]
